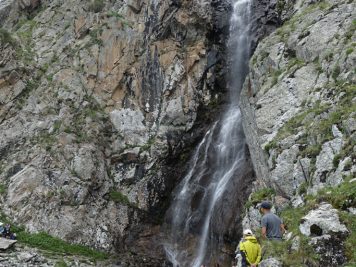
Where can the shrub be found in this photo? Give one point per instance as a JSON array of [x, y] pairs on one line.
[[259, 196], [96, 6], [119, 198], [3, 189], [349, 51], [336, 72], [5, 37], [311, 151]]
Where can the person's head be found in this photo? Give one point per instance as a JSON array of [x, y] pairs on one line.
[[265, 207], [247, 232]]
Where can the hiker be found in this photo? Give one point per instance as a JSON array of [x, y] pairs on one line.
[[272, 225], [249, 249], [6, 233], [2, 229]]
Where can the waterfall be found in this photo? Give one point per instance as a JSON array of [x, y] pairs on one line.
[[219, 161]]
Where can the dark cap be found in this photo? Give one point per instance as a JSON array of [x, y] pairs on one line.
[[266, 205]]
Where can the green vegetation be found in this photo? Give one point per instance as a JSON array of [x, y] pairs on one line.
[[293, 65], [336, 72], [81, 115], [57, 125], [318, 66], [52, 244], [3, 189], [317, 123], [56, 245], [6, 38], [95, 37], [96, 5], [289, 257], [45, 140], [349, 51], [31, 85], [303, 188], [328, 57], [270, 145], [311, 151], [291, 25], [148, 145], [350, 32], [275, 76], [120, 18], [259, 196], [119, 198], [24, 32], [341, 197], [61, 264], [350, 244]]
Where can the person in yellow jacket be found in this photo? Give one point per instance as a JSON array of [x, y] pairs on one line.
[[250, 249]]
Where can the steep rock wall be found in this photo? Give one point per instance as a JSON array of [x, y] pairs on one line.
[[101, 102], [298, 106]]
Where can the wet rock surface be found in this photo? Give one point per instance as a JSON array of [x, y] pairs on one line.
[[100, 107]]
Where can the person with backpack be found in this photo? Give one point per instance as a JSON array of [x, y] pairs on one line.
[[249, 249], [272, 226]]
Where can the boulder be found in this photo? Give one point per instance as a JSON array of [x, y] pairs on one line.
[[330, 248], [6, 243], [321, 221], [29, 4], [327, 234], [271, 262]]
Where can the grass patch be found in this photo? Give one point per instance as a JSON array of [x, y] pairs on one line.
[[95, 37], [52, 244], [91, 111], [311, 151], [3, 189], [317, 123], [275, 76], [259, 196], [31, 85], [6, 37], [270, 145], [349, 51], [61, 263], [46, 140], [119, 197], [148, 145], [336, 72], [290, 258], [49, 243], [341, 197], [350, 243], [292, 24], [25, 31]]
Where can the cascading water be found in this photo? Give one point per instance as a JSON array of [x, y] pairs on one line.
[[217, 164]]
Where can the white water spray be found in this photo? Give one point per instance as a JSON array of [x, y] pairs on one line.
[[218, 159]]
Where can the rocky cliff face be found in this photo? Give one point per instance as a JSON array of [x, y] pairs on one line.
[[101, 102], [299, 118]]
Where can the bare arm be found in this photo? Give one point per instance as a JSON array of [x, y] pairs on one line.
[[283, 229], [264, 231]]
